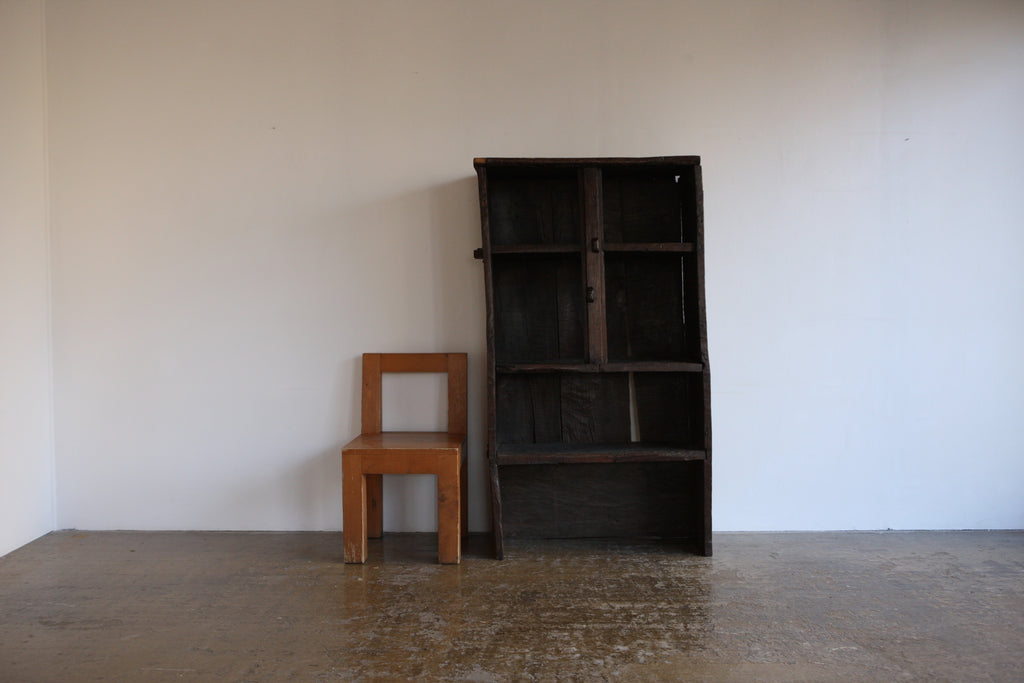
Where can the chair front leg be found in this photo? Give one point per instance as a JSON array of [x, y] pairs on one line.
[[353, 492], [449, 514]]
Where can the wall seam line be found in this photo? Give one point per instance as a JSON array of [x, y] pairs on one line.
[[48, 238]]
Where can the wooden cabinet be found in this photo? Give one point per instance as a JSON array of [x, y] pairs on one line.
[[598, 403]]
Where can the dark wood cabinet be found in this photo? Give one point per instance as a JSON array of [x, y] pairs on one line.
[[598, 384]]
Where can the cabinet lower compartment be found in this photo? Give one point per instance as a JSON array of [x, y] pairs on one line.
[[660, 499], [616, 407]]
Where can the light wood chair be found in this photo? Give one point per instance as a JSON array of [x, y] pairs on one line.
[[375, 452]]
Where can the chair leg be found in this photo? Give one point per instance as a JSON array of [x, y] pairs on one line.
[[374, 505], [449, 533], [353, 492]]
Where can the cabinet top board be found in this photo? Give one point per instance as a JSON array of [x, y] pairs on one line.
[[585, 161]]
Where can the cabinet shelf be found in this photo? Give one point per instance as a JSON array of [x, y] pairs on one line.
[[658, 247], [527, 249], [635, 366], [575, 453]]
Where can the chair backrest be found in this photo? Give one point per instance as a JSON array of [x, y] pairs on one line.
[[375, 364]]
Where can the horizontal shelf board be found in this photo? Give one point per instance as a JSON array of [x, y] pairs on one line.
[[661, 247], [535, 249], [571, 453], [625, 366], [584, 161]]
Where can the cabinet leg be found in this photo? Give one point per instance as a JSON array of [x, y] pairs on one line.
[[499, 543], [463, 494]]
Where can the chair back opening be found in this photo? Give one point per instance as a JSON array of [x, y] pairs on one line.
[[376, 364]]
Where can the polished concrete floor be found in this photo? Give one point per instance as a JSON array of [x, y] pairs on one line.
[[132, 606]]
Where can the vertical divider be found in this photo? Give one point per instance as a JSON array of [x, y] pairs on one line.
[[593, 273]]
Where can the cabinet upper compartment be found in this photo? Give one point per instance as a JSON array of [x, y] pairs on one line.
[[593, 260], [533, 207], [649, 205], [539, 203]]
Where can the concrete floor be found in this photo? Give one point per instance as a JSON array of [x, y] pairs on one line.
[[132, 606]]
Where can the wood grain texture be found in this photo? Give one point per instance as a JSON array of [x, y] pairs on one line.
[[405, 442], [593, 278], [595, 408], [538, 308], [646, 317], [641, 205], [371, 406], [565, 454], [457, 388], [527, 249], [497, 509], [601, 500], [374, 505], [414, 362], [544, 162], [614, 366], [645, 247], [532, 209], [485, 237], [353, 494], [449, 508], [691, 200], [598, 382], [374, 453], [670, 408], [702, 321], [570, 408]]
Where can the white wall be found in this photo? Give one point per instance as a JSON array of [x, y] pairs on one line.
[[26, 425], [247, 195]]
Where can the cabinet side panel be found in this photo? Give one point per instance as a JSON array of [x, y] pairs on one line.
[[694, 334], [688, 187], [698, 187]]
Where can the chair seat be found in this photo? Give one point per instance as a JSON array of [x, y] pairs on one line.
[[404, 441]]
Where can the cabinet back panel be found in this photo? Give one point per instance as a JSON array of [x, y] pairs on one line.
[[670, 408], [687, 188], [529, 408], [650, 205], [646, 318], [641, 207], [533, 210], [570, 408], [538, 308], [593, 501]]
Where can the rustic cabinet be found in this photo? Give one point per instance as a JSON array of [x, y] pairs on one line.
[[598, 403]]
